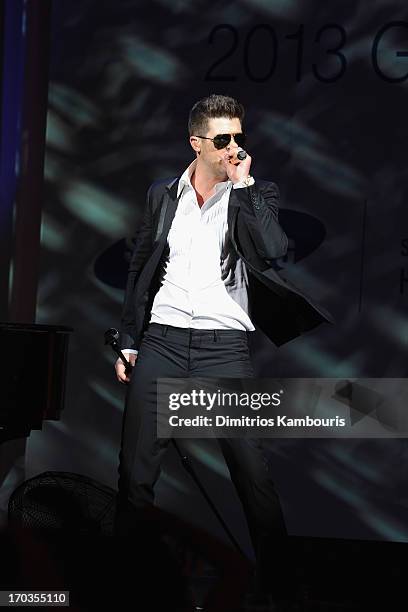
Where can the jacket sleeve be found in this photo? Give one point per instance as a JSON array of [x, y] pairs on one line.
[[141, 252], [259, 208]]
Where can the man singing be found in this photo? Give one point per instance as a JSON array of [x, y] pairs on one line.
[[200, 279]]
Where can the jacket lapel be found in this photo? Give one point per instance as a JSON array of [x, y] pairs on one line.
[[232, 218], [167, 211]]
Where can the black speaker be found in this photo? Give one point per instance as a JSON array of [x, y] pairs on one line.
[[62, 500]]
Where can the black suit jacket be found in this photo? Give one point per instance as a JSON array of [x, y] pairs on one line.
[[277, 307]]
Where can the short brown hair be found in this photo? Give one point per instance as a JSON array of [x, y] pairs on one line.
[[214, 105]]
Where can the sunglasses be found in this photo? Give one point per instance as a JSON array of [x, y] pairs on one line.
[[223, 140]]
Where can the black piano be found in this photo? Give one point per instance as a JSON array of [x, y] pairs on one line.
[[32, 376]]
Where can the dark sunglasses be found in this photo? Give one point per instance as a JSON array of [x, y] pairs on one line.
[[223, 140]]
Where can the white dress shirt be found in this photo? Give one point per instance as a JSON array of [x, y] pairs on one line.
[[204, 285]]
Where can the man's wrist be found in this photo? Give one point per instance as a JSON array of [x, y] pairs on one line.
[[245, 182], [130, 351]]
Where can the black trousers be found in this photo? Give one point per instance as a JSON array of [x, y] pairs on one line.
[[172, 352]]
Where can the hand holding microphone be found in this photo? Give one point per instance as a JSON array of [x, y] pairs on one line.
[[125, 362], [237, 167]]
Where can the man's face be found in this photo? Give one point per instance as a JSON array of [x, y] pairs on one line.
[[208, 154]]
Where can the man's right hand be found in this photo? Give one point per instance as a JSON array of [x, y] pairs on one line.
[[120, 367]]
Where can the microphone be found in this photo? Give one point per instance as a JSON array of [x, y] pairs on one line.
[[241, 154]]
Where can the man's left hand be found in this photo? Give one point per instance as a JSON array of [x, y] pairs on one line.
[[236, 172]]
